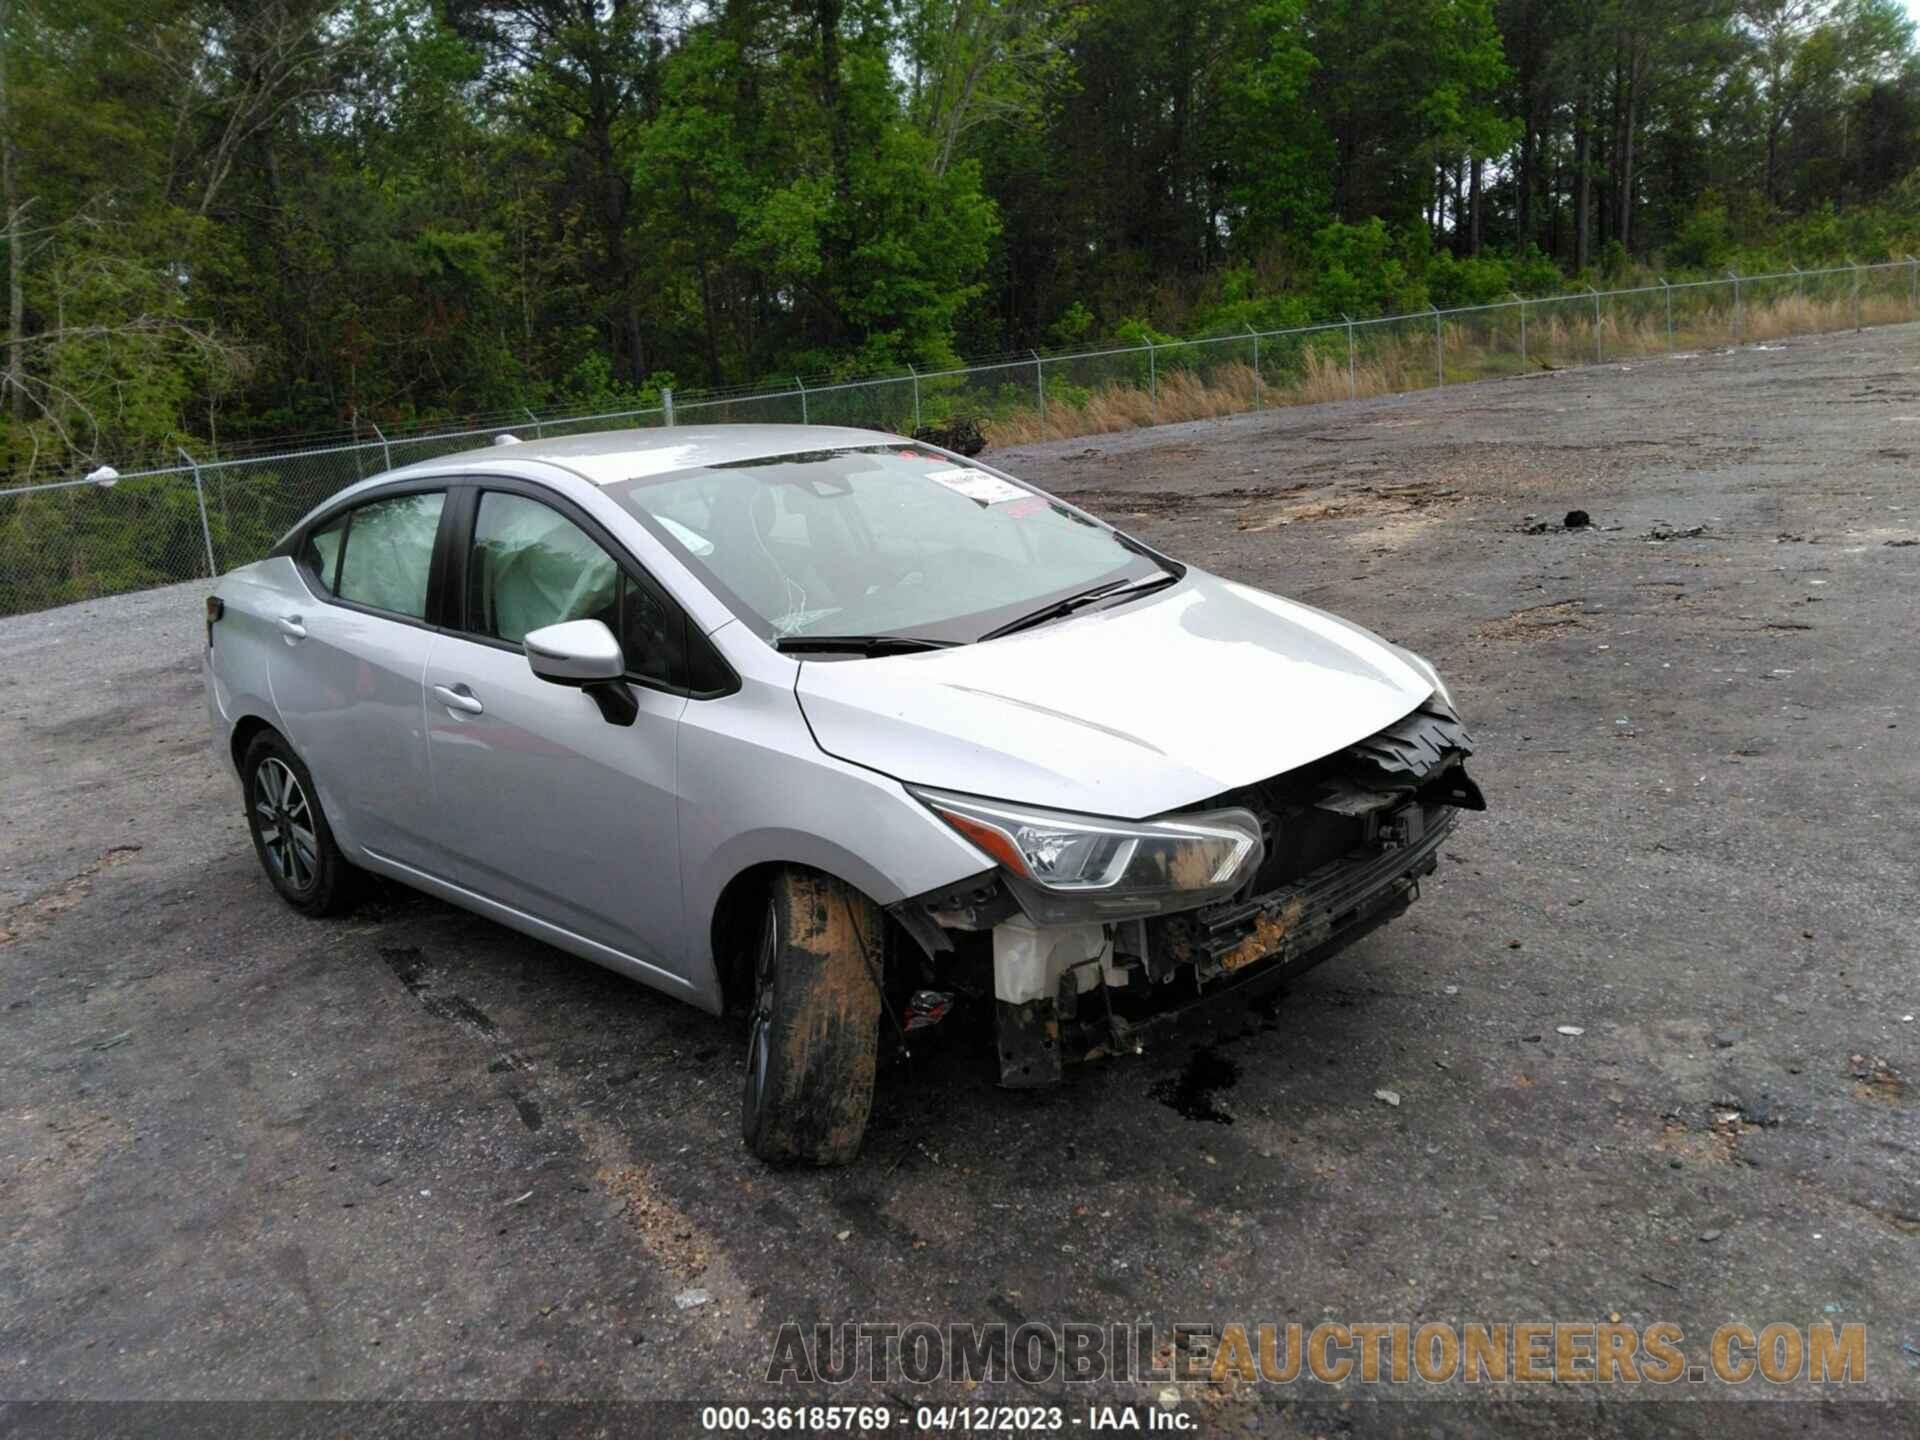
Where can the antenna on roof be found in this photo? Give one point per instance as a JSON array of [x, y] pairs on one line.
[[506, 439]]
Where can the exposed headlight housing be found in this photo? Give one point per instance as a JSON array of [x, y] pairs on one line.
[[1064, 867]]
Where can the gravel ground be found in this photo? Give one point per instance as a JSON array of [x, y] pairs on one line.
[[410, 1155]]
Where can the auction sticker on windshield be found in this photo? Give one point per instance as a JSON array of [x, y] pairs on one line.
[[978, 485]]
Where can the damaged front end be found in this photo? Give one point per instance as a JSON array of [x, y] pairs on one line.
[[1080, 967]]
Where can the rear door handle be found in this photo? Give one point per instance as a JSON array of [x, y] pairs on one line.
[[291, 627], [459, 697]]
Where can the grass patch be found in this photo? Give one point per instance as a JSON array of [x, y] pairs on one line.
[[1392, 360]]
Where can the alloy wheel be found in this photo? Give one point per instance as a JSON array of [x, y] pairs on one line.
[[284, 819]]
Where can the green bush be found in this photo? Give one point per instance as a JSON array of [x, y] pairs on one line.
[[1704, 240], [1482, 280], [1363, 270]]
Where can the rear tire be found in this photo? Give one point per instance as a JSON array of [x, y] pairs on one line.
[[815, 1025], [290, 831]]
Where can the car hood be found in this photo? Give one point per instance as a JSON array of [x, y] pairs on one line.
[[1130, 712]]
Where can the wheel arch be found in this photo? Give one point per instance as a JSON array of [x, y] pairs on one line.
[[250, 726], [730, 927], [738, 909], [242, 736]]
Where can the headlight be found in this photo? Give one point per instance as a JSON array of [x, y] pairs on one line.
[[1067, 867]]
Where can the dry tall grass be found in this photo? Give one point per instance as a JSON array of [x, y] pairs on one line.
[[1558, 337], [1795, 315]]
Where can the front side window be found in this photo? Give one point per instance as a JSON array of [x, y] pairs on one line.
[[384, 556], [880, 540], [530, 566]]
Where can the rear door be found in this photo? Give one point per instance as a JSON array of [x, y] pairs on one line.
[[347, 672], [553, 809]]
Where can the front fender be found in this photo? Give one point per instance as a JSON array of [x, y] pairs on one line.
[[756, 790]]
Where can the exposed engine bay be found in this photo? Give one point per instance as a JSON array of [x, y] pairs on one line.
[[1347, 840]]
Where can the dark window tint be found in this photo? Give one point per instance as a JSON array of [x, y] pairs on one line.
[[321, 554], [651, 631], [530, 566], [388, 553]]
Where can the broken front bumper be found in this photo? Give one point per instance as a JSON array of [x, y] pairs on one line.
[[1347, 841], [1155, 970]]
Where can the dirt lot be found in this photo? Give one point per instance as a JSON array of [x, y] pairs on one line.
[[412, 1155]]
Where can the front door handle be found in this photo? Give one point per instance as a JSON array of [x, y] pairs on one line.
[[459, 697], [291, 627]]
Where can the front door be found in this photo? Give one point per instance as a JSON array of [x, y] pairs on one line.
[[552, 809]]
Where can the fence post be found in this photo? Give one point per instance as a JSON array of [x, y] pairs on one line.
[[1153, 383], [200, 494], [1799, 281], [916, 394], [386, 450], [1258, 385], [666, 402], [1913, 283], [1736, 303], [803, 400], [1667, 291], [1599, 350], [539, 430], [1856, 293], [1353, 388], [1039, 382], [1439, 348]]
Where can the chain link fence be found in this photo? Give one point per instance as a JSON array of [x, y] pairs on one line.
[[106, 534]]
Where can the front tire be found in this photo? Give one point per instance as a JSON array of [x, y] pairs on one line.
[[290, 831], [815, 1026]]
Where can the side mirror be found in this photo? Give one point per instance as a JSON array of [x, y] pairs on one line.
[[584, 654], [575, 652]]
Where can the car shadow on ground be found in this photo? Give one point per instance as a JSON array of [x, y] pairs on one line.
[[666, 1074]]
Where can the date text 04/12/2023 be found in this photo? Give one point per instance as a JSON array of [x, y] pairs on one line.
[[968, 1419]]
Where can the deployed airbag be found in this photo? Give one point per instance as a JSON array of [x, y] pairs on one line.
[[390, 552], [538, 569]]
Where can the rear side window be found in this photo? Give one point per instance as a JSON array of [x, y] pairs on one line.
[[387, 553]]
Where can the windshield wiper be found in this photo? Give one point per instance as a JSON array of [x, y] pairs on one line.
[[859, 644], [1112, 590]]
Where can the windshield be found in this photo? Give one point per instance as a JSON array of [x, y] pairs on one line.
[[888, 540]]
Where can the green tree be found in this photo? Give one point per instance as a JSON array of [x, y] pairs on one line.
[[1278, 149]]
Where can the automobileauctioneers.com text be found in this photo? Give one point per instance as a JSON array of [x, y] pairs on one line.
[[1327, 1353]]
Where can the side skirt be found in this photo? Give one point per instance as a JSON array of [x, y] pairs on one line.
[[618, 961]]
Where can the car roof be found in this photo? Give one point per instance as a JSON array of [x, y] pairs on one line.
[[609, 456]]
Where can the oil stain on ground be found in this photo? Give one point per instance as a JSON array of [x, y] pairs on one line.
[[410, 969], [1194, 1090]]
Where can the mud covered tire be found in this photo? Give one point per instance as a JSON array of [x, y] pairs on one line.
[[815, 1023], [290, 831]]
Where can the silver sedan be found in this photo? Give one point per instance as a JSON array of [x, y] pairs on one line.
[[831, 729]]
